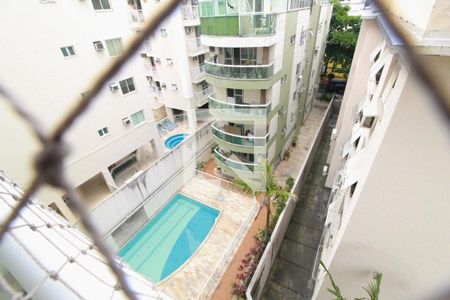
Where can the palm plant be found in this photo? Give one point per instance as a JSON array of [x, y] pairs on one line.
[[372, 289], [272, 191]]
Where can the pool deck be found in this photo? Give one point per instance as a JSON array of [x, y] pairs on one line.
[[199, 276]]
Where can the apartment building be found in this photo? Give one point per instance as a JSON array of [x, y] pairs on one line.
[[389, 161], [263, 66], [72, 41], [173, 60]]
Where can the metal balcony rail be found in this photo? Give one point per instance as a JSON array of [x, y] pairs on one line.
[[137, 17], [194, 45], [243, 110], [198, 73], [203, 94], [190, 12], [246, 72], [245, 141]]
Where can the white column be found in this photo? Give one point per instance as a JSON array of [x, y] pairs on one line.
[[157, 147], [192, 119], [110, 183], [169, 113]]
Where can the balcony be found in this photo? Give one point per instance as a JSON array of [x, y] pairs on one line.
[[233, 162], [149, 69], [242, 72], [137, 19], [200, 98], [190, 14], [244, 25], [195, 47], [240, 110], [198, 74], [239, 140]]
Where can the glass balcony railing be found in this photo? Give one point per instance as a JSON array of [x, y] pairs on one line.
[[250, 72], [240, 110], [245, 141], [234, 163], [254, 24]]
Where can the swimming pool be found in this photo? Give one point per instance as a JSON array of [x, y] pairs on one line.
[[170, 238], [174, 140]]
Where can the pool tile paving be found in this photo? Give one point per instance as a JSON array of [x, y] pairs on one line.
[[189, 281]]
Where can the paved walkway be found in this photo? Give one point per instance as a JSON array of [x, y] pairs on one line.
[[290, 277], [287, 168]]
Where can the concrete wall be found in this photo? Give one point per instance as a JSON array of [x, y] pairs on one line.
[[124, 201], [262, 272]]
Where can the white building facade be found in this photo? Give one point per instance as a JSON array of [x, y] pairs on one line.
[[389, 162], [72, 42]]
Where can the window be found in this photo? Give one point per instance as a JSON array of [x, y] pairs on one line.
[[127, 86], [353, 188], [377, 56], [378, 75], [138, 117], [114, 46], [68, 51], [102, 132], [101, 4], [297, 68], [292, 39], [237, 94], [163, 32], [302, 37], [368, 122]]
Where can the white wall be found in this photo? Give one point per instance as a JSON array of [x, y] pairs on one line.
[[122, 202], [48, 84]]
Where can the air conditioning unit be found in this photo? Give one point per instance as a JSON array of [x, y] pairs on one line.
[[299, 76], [163, 85], [158, 60], [98, 45], [126, 121], [283, 110], [283, 131], [114, 87]]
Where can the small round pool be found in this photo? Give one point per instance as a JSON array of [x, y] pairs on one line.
[[174, 140]]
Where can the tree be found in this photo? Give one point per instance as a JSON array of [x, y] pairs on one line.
[[342, 38], [272, 191], [372, 288]]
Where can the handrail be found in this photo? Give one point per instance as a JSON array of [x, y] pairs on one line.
[[238, 66], [235, 161], [229, 251], [243, 105], [239, 136]]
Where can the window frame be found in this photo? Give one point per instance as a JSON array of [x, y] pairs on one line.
[[127, 85], [116, 49], [66, 49], [139, 116], [100, 2], [103, 132]]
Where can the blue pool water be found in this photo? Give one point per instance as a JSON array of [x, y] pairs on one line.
[[174, 140], [170, 238]]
